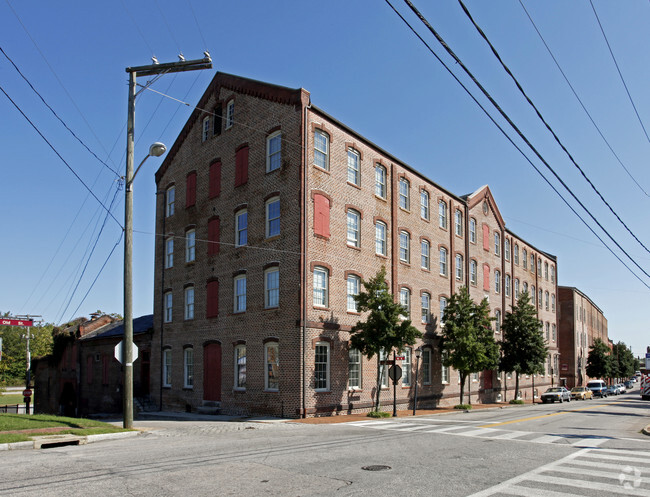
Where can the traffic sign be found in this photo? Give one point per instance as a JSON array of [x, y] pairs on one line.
[[118, 352], [395, 373], [16, 322], [27, 392], [400, 358]]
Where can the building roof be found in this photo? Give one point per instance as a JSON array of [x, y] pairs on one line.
[[582, 294], [143, 324]]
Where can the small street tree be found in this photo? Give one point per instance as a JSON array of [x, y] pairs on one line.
[[384, 327], [467, 337], [523, 350], [624, 361], [598, 361]]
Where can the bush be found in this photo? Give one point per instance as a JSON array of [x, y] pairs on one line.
[[516, 401], [463, 407], [378, 414]]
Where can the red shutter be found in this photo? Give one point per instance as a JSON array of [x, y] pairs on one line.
[[321, 215], [89, 370], [215, 179], [190, 192], [213, 236], [241, 166], [486, 277], [486, 237], [212, 304], [105, 370]]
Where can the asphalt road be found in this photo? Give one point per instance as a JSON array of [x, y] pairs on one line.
[[591, 448]]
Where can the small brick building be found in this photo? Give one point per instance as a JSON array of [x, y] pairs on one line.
[[273, 212]]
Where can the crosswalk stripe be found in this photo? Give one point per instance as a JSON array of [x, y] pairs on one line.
[[600, 472], [586, 484], [577, 465], [512, 434], [612, 457], [546, 439], [589, 442], [535, 492], [478, 432], [445, 429]]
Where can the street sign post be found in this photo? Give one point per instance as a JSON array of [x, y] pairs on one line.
[[119, 352]]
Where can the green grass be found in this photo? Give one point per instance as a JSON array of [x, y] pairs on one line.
[[11, 399], [464, 407], [75, 426], [378, 414]]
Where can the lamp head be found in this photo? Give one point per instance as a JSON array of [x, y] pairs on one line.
[[157, 149]]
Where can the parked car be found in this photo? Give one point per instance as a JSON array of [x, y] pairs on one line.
[[629, 384], [613, 390], [598, 388], [581, 393], [556, 393], [621, 388]]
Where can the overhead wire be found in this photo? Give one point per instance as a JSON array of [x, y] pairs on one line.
[[205, 45], [575, 93], [548, 127], [532, 164], [137, 27]]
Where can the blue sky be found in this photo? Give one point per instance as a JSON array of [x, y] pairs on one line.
[[362, 65]]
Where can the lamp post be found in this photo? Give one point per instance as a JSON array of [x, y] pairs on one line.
[[418, 353], [156, 150]]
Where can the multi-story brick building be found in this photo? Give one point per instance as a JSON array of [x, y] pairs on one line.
[[581, 323], [271, 213]]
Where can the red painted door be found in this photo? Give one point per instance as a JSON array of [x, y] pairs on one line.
[[487, 379], [212, 372]]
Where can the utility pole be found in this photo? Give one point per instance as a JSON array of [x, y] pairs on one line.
[[127, 350]]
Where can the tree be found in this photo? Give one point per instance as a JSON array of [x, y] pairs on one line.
[[523, 350], [598, 360], [14, 349], [467, 337], [384, 328], [623, 361]]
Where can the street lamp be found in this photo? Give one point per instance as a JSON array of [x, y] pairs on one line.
[[418, 353]]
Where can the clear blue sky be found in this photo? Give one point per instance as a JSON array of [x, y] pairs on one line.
[[361, 65]]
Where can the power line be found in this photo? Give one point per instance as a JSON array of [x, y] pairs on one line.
[[514, 144], [137, 27], [205, 45], [171, 33], [59, 156], [56, 115], [580, 101], [548, 127]]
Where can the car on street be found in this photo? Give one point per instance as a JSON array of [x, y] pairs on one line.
[[621, 387], [598, 388], [556, 393], [613, 390], [629, 384], [581, 393]]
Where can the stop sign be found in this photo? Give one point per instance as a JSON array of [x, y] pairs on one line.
[[27, 393]]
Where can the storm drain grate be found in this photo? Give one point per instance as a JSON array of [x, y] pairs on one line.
[[376, 467]]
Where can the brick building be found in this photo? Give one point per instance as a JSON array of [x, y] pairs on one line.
[[269, 215], [581, 322]]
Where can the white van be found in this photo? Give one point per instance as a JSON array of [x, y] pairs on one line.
[[598, 387]]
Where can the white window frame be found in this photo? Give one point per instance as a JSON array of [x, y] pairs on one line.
[[425, 307], [507, 283], [353, 228], [517, 288], [321, 291], [443, 306], [497, 281], [552, 302], [442, 214], [546, 301], [322, 367], [459, 267], [354, 369], [273, 154], [380, 238], [506, 249], [546, 271], [190, 245], [241, 228], [405, 300], [425, 253], [516, 254], [524, 258], [354, 167], [497, 243], [472, 230], [169, 252], [380, 181], [424, 204], [533, 295], [323, 154], [404, 247], [169, 307], [458, 222], [272, 217], [205, 128], [443, 261], [230, 114], [404, 189], [269, 384], [473, 272], [272, 287], [170, 201], [167, 367], [188, 313], [444, 370], [188, 368], [239, 293], [239, 364], [353, 287], [407, 366], [497, 321]]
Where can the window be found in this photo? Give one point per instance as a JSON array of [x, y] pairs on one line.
[[516, 288], [354, 175], [212, 299], [406, 367], [353, 228], [459, 267], [321, 215], [321, 294], [354, 369], [272, 360], [548, 332], [532, 263], [169, 253], [274, 151], [554, 331], [188, 368], [213, 236], [497, 244], [458, 223], [205, 129], [425, 249], [443, 261], [240, 367], [516, 254], [444, 377], [218, 117], [380, 181], [380, 238], [507, 249], [168, 307], [215, 179], [525, 287], [552, 274], [553, 302], [443, 305], [230, 114], [354, 284], [541, 302], [497, 321], [507, 285], [546, 301], [472, 230], [322, 367], [189, 302], [167, 368], [241, 166], [404, 193], [272, 217], [426, 307], [241, 228], [271, 287], [240, 293], [426, 366], [546, 271], [404, 247], [190, 190], [486, 238], [497, 281], [170, 199], [424, 204], [533, 295], [190, 246], [383, 356], [472, 272], [539, 267], [524, 258], [405, 300], [442, 214], [321, 150]]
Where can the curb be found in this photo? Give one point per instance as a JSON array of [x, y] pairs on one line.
[[646, 430], [36, 444]]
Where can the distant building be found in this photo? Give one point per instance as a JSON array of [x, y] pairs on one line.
[[82, 377], [581, 323], [272, 214]]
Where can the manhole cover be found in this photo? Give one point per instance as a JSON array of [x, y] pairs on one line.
[[376, 467]]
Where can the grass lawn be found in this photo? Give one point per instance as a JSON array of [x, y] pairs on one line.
[[11, 399], [33, 425]]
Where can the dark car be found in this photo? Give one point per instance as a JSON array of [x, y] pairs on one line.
[[629, 384], [598, 388]]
